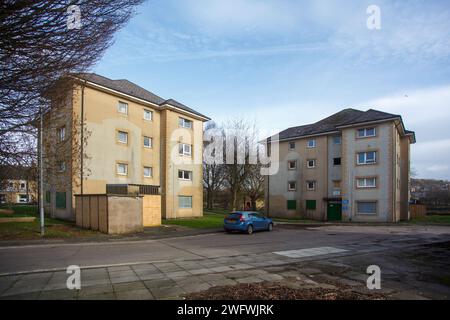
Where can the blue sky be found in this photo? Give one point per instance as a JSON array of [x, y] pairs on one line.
[[286, 63]]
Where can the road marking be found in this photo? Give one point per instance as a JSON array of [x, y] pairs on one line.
[[310, 252]]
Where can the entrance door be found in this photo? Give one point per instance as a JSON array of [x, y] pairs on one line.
[[334, 212]]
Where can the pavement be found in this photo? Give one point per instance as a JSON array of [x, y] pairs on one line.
[[414, 262]]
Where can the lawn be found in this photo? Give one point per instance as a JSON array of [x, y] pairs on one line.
[[208, 221], [444, 219], [54, 229]]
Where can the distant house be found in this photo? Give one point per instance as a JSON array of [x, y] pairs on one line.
[[351, 166], [17, 185]]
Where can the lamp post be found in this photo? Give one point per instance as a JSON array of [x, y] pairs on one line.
[[41, 176]]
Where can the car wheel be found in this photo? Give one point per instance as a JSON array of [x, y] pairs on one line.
[[270, 227], [250, 229]]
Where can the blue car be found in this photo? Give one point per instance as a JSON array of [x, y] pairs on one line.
[[246, 221]]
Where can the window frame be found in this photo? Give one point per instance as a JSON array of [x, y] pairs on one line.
[[340, 161], [151, 172], [62, 134], [182, 123], [338, 137], [118, 136], [290, 145], [314, 163], [149, 139], [295, 164], [118, 164], [183, 172], [183, 153], [314, 144], [365, 134], [365, 213], [185, 197], [147, 111], [314, 185], [365, 185], [61, 166], [365, 158], [289, 186], [121, 103]]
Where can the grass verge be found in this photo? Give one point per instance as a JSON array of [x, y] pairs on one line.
[[208, 221], [444, 219]]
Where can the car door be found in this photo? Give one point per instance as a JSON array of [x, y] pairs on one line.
[[258, 221]]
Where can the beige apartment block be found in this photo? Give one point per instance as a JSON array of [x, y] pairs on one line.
[[351, 166], [128, 136], [17, 185]]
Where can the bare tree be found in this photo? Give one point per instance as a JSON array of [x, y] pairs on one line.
[[213, 173], [40, 42], [253, 185]]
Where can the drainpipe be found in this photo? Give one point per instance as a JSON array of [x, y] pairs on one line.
[[82, 137]]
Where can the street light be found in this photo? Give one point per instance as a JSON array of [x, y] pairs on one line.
[[41, 175]]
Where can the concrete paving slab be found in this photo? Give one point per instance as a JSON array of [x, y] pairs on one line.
[[142, 294]]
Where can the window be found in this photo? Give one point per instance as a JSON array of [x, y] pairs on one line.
[[366, 182], [366, 132], [185, 123], [292, 204], [336, 161], [185, 202], [122, 169], [148, 115], [61, 166], [62, 133], [291, 145], [337, 139], [367, 157], [292, 165], [185, 149], [310, 204], [184, 175], [22, 198], [22, 185], [311, 163], [2, 198], [312, 143], [366, 207], [122, 136], [47, 196], [311, 185], [292, 185], [148, 142], [122, 107], [148, 172], [60, 200]]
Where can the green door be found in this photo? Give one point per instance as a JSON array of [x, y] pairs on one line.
[[334, 212]]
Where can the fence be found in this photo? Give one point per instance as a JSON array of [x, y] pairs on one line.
[[112, 214], [417, 210]]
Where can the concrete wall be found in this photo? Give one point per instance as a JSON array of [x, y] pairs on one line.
[[124, 214], [277, 193], [382, 170]]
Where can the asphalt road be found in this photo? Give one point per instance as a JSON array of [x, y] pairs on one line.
[[59, 256]]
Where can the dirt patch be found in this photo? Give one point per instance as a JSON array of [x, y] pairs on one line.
[[275, 291], [6, 211]]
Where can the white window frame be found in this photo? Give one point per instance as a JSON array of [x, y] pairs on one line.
[[314, 163], [184, 206], [125, 165], [185, 149], [62, 133], [183, 175], [367, 213], [118, 137], [61, 166], [295, 186], [147, 111], [150, 139], [365, 157], [289, 164], [314, 143], [151, 172], [365, 134], [121, 104], [183, 123], [19, 198], [362, 183], [290, 145], [308, 187], [337, 137]]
